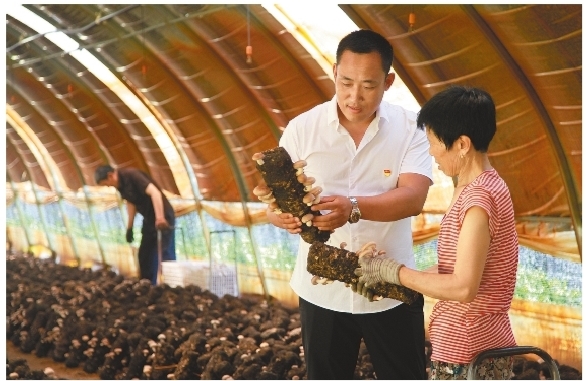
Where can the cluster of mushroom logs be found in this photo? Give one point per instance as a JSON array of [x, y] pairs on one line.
[[128, 329], [287, 189], [123, 329]]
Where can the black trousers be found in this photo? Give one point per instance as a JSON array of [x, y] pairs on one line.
[[395, 340], [148, 252]]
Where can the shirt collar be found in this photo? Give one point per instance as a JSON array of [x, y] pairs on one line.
[[334, 120]]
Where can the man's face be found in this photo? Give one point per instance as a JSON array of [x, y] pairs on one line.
[[360, 86], [111, 180]]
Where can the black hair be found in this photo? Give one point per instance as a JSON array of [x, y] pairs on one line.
[[457, 111], [102, 172], [367, 41]]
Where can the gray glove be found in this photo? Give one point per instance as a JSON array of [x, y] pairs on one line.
[[375, 270]]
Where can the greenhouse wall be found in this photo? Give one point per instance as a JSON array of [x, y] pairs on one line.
[[546, 310]]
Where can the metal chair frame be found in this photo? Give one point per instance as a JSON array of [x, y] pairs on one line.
[[512, 351]]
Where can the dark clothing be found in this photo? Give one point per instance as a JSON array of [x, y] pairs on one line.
[[395, 340], [132, 184], [148, 254]]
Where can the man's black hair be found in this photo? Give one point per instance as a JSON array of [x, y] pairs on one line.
[[367, 41], [457, 111], [102, 172]]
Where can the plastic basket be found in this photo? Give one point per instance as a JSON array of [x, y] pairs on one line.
[[185, 273], [221, 280]]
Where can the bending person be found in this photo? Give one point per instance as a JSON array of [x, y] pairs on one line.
[[144, 196], [477, 246]]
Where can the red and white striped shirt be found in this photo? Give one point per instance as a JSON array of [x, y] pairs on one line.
[[459, 331]]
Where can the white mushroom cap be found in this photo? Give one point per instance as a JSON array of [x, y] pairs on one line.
[[315, 191], [261, 190], [299, 164], [308, 183], [49, 371], [258, 157], [308, 199], [307, 219]]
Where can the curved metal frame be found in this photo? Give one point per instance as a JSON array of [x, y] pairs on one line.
[[550, 131], [511, 351], [31, 141], [37, 202], [27, 234]]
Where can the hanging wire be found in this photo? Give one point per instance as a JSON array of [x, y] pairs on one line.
[[11, 75], [69, 85], [144, 66], [67, 31], [248, 47]]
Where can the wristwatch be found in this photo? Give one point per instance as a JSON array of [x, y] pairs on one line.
[[355, 214]]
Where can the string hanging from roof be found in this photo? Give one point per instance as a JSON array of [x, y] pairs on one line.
[[411, 20], [248, 47], [144, 66]]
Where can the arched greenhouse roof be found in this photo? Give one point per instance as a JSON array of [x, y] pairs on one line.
[[180, 101]]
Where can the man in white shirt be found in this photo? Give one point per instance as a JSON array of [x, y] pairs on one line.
[[375, 170]]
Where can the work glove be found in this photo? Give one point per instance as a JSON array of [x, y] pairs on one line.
[[129, 235], [376, 269]]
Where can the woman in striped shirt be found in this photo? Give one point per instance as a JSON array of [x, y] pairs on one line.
[[477, 246]]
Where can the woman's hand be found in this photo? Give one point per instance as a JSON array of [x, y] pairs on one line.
[[375, 267]]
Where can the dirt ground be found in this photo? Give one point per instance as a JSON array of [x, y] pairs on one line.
[[36, 363]]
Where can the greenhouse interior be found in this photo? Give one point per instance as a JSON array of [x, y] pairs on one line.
[[188, 93]]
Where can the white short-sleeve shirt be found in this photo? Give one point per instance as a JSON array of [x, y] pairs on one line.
[[391, 145]]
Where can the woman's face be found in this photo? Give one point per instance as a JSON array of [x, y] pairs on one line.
[[448, 161]]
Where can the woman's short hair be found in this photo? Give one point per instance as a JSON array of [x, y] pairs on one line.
[[457, 111]]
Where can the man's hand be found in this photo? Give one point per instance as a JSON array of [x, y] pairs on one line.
[[339, 208], [282, 220], [129, 235], [162, 224]]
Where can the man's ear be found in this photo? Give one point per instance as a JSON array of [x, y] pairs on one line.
[[335, 70], [389, 80], [112, 177]]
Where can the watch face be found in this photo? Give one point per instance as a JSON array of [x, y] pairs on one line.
[[355, 214]]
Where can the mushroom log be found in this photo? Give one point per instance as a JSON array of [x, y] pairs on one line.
[[291, 189], [334, 263]]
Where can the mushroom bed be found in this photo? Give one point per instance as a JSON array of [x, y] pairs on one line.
[[125, 328]]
